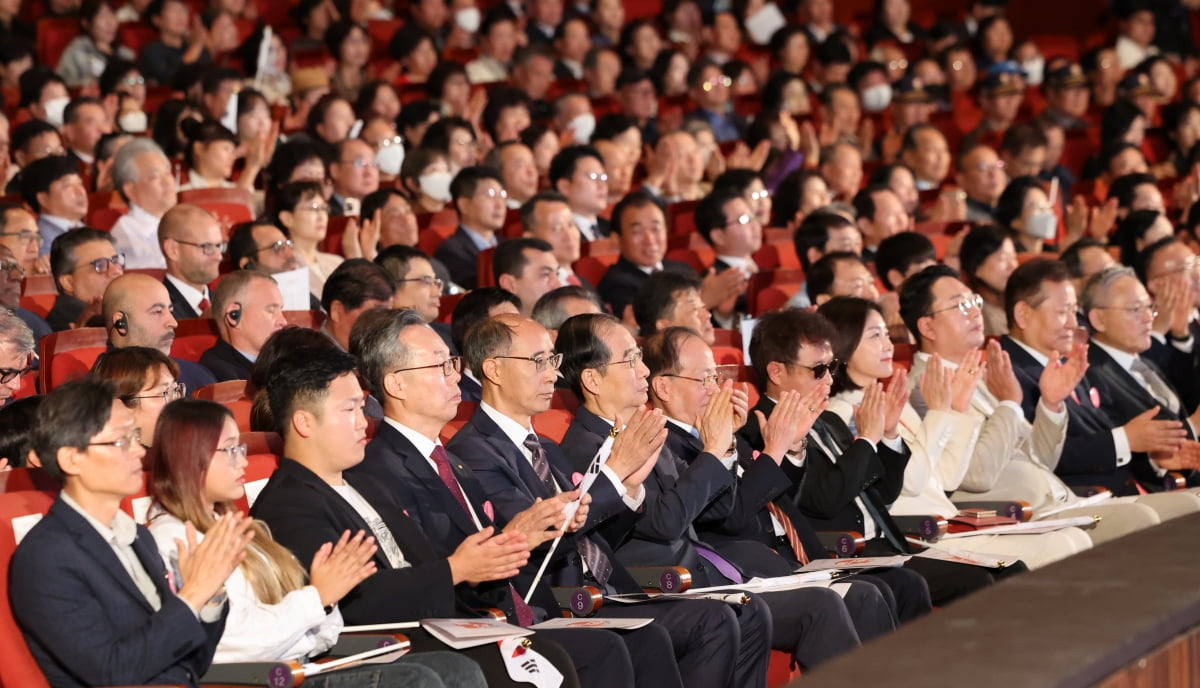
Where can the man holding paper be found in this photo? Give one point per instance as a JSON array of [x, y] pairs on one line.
[[716, 644], [410, 370], [317, 404]]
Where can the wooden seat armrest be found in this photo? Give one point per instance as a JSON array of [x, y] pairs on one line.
[[842, 543], [1012, 508], [274, 674], [353, 643], [585, 600], [1088, 490], [662, 578], [929, 528]]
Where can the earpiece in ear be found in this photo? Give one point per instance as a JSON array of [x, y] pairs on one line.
[[234, 315], [121, 325]]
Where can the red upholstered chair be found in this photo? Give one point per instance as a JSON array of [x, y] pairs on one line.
[[592, 268], [334, 231], [310, 319], [69, 354], [18, 512], [194, 336], [465, 410], [553, 423]]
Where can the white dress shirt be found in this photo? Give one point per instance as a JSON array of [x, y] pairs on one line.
[[136, 234], [190, 294], [425, 447]]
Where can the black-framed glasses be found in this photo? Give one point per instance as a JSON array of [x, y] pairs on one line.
[[275, 247], [7, 375], [449, 366], [25, 236], [101, 265], [11, 269], [427, 280], [173, 391], [710, 380], [1136, 311], [963, 304], [207, 248], [540, 363], [232, 454], [819, 370], [632, 361], [125, 443]]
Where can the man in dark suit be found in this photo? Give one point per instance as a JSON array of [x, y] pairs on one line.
[[577, 172], [547, 216], [445, 499], [710, 89], [137, 312], [191, 241], [83, 261], [249, 310], [641, 226], [417, 285], [1168, 269], [130, 622], [475, 307], [1121, 314], [480, 199], [604, 368], [727, 222], [309, 501], [516, 468]]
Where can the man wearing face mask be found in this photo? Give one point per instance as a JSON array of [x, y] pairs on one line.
[[874, 91], [143, 177], [45, 94], [480, 199], [389, 151], [355, 174]]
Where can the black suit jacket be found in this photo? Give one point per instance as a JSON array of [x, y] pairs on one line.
[[85, 620], [180, 308], [65, 311], [1089, 456], [1122, 398], [443, 331], [1180, 367], [226, 362], [621, 282], [470, 389], [740, 306], [304, 513], [461, 257], [509, 481]]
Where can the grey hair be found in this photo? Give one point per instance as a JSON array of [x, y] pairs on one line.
[[123, 168], [379, 349], [1098, 285], [14, 331], [549, 311]]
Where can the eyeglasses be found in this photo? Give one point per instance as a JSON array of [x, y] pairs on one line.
[[632, 361], [1136, 311], [360, 163], [449, 366], [820, 369], [208, 248], [493, 193], [125, 443], [135, 81], [740, 221], [234, 454], [276, 247], [174, 390], [7, 375], [315, 207], [964, 304], [427, 280], [11, 269], [759, 195], [540, 363], [709, 380], [101, 265], [596, 176], [716, 81], [393, 141], [25, 236]]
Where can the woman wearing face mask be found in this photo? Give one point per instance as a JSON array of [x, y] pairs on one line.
[[270, 75], [123, 79], [414, 51], [987, 258], [1024, 209], [425, 178], [146, 380], [86, 56]]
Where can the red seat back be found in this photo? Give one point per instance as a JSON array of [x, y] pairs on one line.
[[54, 34], [69, 354], [592, 268], [193, 337], [552, 424], [18, 512]]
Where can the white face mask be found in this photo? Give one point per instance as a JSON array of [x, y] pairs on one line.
[[764, 23], [1034, 70], [390, 158], [436, 185], [877, 98], [54, 110], [582, 127], [134, 122], [1043, 225], [468, 19]]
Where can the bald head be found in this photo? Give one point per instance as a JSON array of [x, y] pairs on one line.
[[137, 312], [193, 244]]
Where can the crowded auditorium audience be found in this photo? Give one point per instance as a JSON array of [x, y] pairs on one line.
[[323, 313]]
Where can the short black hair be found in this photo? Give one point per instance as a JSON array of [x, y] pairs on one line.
[[16, 426], [500, 99], [510, 259], [821, 275], [70, 416], [562, 165], [115, 71], [436, 84], [778, 336], [1130, 230], [1123, 188], [738, 179], [813, 232], [580, 343], [376, 200], [437, 136], [529, 208], [900, 252], [1011, 204], [242, 243], [62, 250], [293, 193], [38, 175], [657, 297], [980, 243], [710, 211], [787, 196], [1023, 136], [395, 259], [354, 281], [612, 125], [496, 14], [1071, 257], [467, 181], [848, 317], [638, 198], [215, 76], [24, 133], [864, 200], [299, 379], [916, 296], [34, 80], [1025, 283], [1142, 264], [832, 50], [473, 308], [72, 108], [290, 155]]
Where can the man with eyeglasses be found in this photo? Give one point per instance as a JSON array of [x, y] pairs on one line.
[[17, 346], [1168, 268], [143, 176], [11, 275], [516, 468], [481, 202], [134, 619], [840, 273], [1040, 300], [547, 216], [137, 312], [526, 267], [981, 176], [710, 90], [1013, 457], [19, 232], [417, 285], [54, 190], [1128, 384], [578, 173], [248, 309], [83, 261], [355, 174], [726, 221], [191, 240], [263, 247]]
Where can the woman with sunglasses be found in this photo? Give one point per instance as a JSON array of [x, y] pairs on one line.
[[276, 610], [146, 380]]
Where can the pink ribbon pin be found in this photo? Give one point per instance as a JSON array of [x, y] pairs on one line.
[[576, 478], [487, 509]]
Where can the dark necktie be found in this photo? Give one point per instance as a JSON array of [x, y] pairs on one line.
[[595, 558], [524, 612]]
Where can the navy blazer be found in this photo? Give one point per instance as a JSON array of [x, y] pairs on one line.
[[85, 620], [304, 513], [509, 481], [226, 363], [461, 257], [180, 308], [1089, 456], [621, 282]]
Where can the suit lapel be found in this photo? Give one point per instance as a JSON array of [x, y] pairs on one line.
[[99, 551], [429, 480], [330, 495], [513, 460]]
